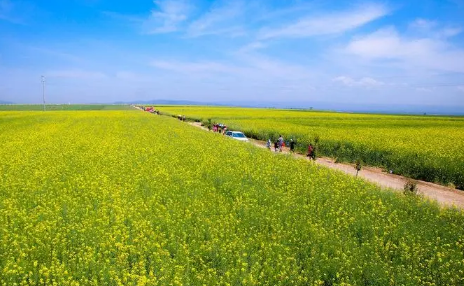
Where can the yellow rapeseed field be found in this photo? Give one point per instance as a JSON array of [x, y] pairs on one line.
[[130, 198], [422, 147]]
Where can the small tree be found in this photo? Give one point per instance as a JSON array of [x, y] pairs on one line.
[[209, 124], [410, 187], [358, 166], [314, 154]]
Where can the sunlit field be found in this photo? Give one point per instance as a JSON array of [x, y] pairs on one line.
[[422, 147], [130, 198]]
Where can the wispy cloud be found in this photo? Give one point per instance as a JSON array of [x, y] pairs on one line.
[[363, 82], [423, 24], [222, 18], [433, 29], [451, 31], [270, 67], [333, 23], [251, 47], [243, 66], [168, 16], [388, 44]]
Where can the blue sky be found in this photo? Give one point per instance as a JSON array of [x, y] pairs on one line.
[[356, 52]]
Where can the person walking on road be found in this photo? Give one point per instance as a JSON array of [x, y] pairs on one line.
[[281, 143], [276, 145], [311, 154], [268, 144], [292, 146]]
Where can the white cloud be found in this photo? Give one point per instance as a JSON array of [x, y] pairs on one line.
[[232, 31], [363, 82], [433, 29], [222, 18], [461, 88], [334, 23], [451, 32], [267, 67], [415, 53], [423, 24], [244, 66], [167, 18], [381, 44], [252, 47]]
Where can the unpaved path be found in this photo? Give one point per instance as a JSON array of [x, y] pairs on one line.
[[443, 195]]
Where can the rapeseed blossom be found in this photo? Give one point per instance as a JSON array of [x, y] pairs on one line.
[[421, 147], [128, 198]]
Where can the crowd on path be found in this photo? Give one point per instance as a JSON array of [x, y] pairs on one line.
[[280, 143], [150, 109], [445, 197], [220, 128]]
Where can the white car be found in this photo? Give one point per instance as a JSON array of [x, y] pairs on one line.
[[237, 135]]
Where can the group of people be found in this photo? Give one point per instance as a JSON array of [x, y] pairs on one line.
[[181, 117], [150, 109], [219, 127], [280, 143]]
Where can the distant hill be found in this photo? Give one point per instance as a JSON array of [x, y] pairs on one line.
[[5, 102]]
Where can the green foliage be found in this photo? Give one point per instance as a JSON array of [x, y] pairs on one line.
[[410, 187], [358, 166]]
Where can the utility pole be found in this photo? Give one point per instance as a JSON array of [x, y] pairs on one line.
[[43, 91]]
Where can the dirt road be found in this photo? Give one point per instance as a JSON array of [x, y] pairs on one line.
[[443, 195]]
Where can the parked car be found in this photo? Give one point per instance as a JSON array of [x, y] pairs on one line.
[[237, 135]]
